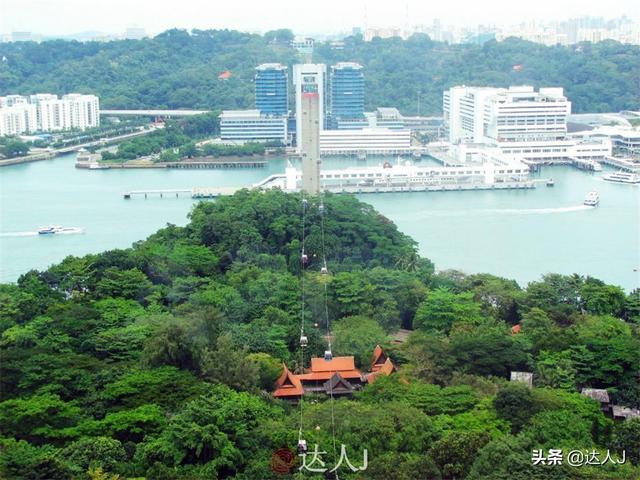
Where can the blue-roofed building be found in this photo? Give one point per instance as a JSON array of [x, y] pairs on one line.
[[347, 95], [272, 89]]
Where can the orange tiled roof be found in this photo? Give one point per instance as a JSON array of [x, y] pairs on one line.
[[337, 364], [379, 358], [387, 368], [317, 376], [516, 329], [226, 75], [288, 385]]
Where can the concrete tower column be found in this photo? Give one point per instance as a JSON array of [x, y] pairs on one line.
[[309, 140]]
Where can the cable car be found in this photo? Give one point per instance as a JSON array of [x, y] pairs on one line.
[[302, 447], [305, 203], [328, 355], [324, 270], [303, 341], [321, 208], [305, 258]]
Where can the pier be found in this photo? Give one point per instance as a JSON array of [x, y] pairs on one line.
[[585, 164], [196, 192], [622, 163]]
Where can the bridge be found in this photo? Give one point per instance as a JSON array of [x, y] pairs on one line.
[[153, 113]]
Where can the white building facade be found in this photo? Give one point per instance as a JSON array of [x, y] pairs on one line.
[[366, 140], [45, 112], [520, 121], [252, 126]]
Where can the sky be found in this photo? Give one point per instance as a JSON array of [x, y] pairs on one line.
[[63, 17]]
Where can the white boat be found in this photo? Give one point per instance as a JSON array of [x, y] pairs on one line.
[[97, 166], [592, 199], [56, 229], [622, 177]]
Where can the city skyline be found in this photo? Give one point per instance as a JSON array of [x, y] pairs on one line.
[[75, 16]]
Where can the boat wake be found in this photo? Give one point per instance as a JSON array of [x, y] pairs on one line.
[[19, 234], [540, 211], [70, 231], [494, 211]]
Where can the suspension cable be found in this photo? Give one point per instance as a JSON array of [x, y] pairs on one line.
[[326, 314], [302, 306]]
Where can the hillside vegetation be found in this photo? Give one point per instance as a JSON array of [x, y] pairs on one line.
[[157, 361], [180, 69]]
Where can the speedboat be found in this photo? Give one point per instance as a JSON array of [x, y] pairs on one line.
[[48, 230], [622, 177], [56, 229], [592, 199], [550, 182]]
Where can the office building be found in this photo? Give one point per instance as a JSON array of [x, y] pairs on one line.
[[252, 126], [382, 141], [498, 115], [305, 76], [304, 46], [272, 89], [347, 95], [518, 120], [309, 138]]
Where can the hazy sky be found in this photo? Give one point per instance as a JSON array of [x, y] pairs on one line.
[[113, 16]]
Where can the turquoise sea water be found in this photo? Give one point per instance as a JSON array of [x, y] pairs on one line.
[[516, 234]]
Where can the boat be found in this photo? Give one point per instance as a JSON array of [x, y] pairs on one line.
[[56, 229], [550, 182], [97, 166], [622, 177], [592, 199]]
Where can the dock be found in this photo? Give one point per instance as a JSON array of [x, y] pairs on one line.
[[196, 192], [623, 164]]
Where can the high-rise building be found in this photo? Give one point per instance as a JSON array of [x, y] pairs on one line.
[[46, 112], [304, 75], [518, 120], [347, 95], [272, 89], [309, 138]]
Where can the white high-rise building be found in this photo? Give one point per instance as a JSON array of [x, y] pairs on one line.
[[518, 120], [499, 115], [45, 112], [18, 119], [309, 74], [84, 110]]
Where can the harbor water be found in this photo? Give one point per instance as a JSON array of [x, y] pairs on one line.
[[519, 234]]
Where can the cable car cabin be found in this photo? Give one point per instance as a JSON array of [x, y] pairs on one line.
[[304, 341], [324, 270], [304, 258], [328, 355], [302, 447], [321, 209]]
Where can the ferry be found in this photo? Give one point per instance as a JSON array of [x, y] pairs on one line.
[[56, 229], [592, 199], [622, 177]]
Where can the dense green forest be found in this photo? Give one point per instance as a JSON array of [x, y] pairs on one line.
[[157, 361], [180, 69]]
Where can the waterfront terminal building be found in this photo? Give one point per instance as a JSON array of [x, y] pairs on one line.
[[520, 121], [251, 126]]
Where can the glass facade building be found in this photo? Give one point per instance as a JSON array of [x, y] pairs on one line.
[[272, 89], [347, 93]]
